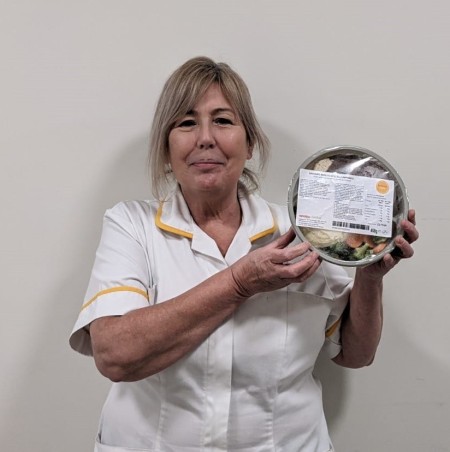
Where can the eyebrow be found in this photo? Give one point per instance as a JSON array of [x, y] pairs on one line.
[[215, 111]]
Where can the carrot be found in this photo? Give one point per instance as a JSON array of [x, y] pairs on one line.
[[354, 240], [380, 247], [369, 240]]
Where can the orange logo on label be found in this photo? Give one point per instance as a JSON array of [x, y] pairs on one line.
[[382, 187]]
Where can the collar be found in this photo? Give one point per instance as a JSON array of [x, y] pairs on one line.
[[173, 216]]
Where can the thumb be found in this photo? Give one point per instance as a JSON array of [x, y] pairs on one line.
[[284, 240]]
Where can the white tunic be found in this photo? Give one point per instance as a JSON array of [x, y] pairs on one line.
[[249, 386]]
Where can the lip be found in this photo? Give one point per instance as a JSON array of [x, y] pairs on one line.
[[206, 164]]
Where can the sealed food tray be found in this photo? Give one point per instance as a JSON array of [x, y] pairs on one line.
[[347, 202]]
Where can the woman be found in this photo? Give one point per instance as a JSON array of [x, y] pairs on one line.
[[200, 307]]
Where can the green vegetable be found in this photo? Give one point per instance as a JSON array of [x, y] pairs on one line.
[[377, 240], [343, 252], [362, 252], [340, 250]]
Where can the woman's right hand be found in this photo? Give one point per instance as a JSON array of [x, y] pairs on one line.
[[274, 266]]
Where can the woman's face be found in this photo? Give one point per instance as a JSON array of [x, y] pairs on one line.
[[208, 147]]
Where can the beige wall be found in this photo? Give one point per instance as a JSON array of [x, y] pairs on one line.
[[78, 86]]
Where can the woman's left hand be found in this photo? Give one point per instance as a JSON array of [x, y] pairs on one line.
[[403, 249]]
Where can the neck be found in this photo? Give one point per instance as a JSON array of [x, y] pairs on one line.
[[210, 207], [219, 217]]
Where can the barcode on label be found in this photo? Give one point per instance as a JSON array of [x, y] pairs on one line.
[[342, 224]]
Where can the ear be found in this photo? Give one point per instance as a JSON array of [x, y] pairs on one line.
[[250, 153]]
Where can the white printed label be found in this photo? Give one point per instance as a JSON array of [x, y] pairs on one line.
[[343, 202]]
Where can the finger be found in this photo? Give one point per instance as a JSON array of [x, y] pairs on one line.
[[404, 248], [412, 216], [411, 233], [285, 239], [295, 270], [285, 255], [390, 261], [306, 272], [311, 270]]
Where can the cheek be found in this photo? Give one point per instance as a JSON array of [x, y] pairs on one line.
[[239, 143], [176, 145], [172, 142], [181, 139]]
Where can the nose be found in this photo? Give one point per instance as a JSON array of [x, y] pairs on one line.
[[205, 139]]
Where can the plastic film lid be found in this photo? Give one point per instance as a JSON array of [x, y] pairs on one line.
[[347, 202]]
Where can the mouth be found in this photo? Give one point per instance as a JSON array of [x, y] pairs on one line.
[[206, 164]]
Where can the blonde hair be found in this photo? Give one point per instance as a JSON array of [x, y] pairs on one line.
[[180, 93]]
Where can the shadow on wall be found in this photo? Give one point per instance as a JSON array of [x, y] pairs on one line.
[[58, 393], [399, 403]]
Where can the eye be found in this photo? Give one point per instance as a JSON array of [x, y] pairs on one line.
[[223, 121], [185, 123]]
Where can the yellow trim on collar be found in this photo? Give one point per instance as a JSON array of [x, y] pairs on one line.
[[166, 227], [329, 332], [263, 233], [189, 235], [115, 289]]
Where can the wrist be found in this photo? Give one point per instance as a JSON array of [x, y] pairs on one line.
[[368, 276], [241, 292]]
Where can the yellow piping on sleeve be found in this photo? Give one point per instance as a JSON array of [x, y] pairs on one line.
[[166, 227], [115, 289]]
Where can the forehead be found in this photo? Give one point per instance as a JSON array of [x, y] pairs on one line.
[[213, 97]]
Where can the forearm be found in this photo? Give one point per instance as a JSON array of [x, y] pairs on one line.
[[362, 322], [146, 341]]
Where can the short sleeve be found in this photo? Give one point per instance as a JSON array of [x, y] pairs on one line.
[[121, 279]]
